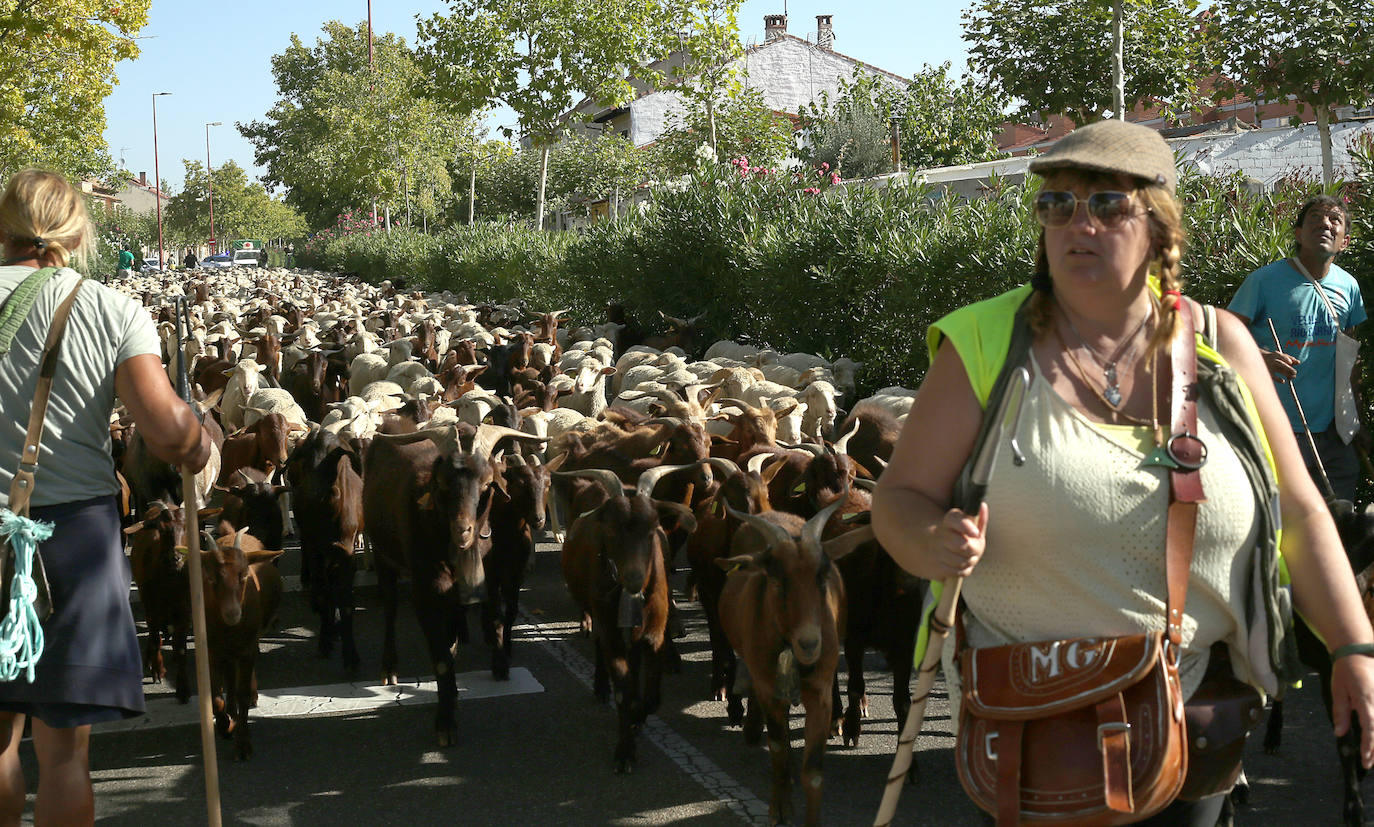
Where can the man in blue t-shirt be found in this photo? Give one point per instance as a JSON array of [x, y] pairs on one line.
[[1280, 293]]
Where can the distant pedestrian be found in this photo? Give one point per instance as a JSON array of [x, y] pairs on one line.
[[262, 256], [1310, 300], [189, 260], [126, 263], [290, 254]]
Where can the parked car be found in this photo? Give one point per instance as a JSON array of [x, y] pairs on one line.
[[247, 258], [217, 262], [149, 265]]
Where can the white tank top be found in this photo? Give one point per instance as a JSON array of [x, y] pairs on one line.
[[1075, 541]]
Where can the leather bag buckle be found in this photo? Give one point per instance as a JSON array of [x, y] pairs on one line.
[[1111, 728]]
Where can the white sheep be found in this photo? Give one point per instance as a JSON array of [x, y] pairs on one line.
[[406, 373], [366, 368], [589, 388], [243, 383], [274, 400], [820, 400], [731, 350]]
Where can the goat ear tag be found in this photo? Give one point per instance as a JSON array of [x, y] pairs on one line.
[[181, 551], [800, 489]]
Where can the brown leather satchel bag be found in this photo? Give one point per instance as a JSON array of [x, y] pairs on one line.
[[1091, 731]]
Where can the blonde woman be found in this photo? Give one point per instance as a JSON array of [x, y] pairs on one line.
[[1071, 544], [90, 670]]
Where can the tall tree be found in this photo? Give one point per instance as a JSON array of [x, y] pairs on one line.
[[1056, 56], [57, 65], [940, 121], [243, 208], [343, 135], [535, 56], [1319, 51], [741, 123], [707, 74]]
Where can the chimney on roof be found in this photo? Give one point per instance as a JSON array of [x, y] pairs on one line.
[[143, 179], [774, 26], [825, 32]]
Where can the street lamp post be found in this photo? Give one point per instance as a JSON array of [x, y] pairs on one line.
[[210, 182], [157, 182]]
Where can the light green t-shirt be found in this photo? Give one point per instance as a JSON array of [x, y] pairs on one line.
[[105, 328]]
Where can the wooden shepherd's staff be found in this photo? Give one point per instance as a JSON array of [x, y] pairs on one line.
[[943, 618], [190, 499]]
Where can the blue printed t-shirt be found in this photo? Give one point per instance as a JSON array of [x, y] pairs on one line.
[[1279, 292]]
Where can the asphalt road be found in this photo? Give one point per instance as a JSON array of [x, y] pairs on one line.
[[542, 756]]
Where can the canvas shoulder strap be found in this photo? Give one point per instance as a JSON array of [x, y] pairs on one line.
[[21, 489], [1316, 285]]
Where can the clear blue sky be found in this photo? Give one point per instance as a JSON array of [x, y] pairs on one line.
[[218, 65]]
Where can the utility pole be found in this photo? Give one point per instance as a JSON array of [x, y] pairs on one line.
[[896, 145], [210, 182], [157, 183]]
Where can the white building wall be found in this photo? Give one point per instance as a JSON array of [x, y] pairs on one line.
[[791, 74], [1268, 155]]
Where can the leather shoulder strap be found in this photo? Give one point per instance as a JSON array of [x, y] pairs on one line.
[[21, 490], [1187, 450]]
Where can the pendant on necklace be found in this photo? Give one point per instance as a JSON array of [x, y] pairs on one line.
[[1113, 393]]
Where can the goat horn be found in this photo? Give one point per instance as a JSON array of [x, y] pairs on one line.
[[756, 462], [489, 435], [739, 403], [773, 534], [650, 478], [725, 466], [811, 532], [444, 436], [809, 447], [867, 485], [667, 420], [516, 459], [882, 463], [605, 477], [842, 444]]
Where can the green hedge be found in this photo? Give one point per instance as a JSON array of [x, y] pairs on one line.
[[769, 260]]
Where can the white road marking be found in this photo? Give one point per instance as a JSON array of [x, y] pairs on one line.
[[738, 798], [332, 699]]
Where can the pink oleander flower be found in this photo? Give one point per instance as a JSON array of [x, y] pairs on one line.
[[825, 166], [811, 191], [834, 178]]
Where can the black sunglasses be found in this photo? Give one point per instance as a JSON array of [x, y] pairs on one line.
[[1056, 208]]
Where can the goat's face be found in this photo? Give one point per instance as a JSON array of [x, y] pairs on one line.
[[802, 585], [827, 477], [225, 573], [461, 491], [746, 492], [754, 426], [629, 530], [527, 486], [161, 533], [687, 443]]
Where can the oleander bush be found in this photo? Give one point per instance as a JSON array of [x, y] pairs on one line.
[[786, 260]]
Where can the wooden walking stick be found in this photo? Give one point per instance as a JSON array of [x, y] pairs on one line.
[[1311, 441], [947, 593], [190, 506]]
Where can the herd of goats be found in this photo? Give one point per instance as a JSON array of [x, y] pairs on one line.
[[446, 436]]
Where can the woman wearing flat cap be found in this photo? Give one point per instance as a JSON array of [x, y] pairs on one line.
[[1071, 542]]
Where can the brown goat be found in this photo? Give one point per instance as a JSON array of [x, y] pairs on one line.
[[613, 563], [159, 571], [242, 592], [426, 504], [783, 609]]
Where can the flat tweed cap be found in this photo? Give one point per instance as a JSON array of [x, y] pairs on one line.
[[1114, 147]]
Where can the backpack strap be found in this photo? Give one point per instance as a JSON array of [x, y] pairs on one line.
[[21, 489]]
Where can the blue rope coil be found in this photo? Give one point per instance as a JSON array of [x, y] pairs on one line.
[[21, 633]]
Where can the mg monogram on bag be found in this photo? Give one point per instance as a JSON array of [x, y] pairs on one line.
[[1075, 732]]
